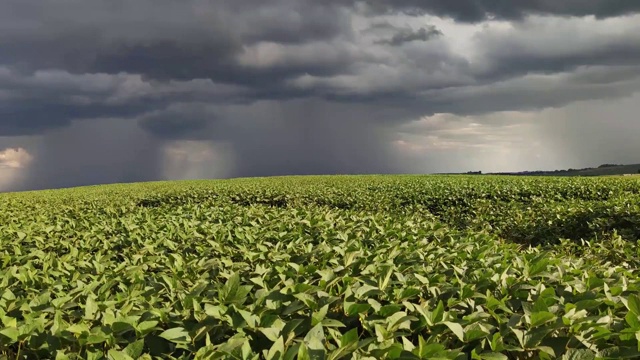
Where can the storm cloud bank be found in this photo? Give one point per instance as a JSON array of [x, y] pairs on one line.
[[109, 91]]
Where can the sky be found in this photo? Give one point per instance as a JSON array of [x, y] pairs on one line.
[[102, 91]]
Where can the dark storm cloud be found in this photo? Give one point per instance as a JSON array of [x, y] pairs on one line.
[[302, 136], [309, 136], [293, 86], [47, 100], [380, 25], [535, 92], [37, 118], [543, 46], [162, 39], [480, 10], [92, 153], [409, 35], [165, 40], [294, 22], [179, 122]]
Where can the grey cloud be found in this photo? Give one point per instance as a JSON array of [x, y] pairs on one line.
[[310, 136], [198, 41], [48, 100], [533, 92], [545, 46], [163, 39], [182, 121], [609, 126], [581, 134], [30, 118], [92, 153], [409, 35], [480, 10], [531, 65], [290, 86], [303, 136], [380, 26], [295, 22], [526, 93]]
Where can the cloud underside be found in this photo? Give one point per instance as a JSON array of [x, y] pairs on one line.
[[480, 10], [286, 87]]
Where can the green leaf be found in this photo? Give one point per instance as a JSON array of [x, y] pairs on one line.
[[520, 335], [78, 329], [348, 344], [135, 349], [97, 338], [423, 280], [9, 321], [389, 310], [349, 338], [633, 304], [95, 355], [277, 350], [367, 290], [232, 292], [319, 315], [118, 355], [493, 356], [546, 350], [205, 353], [90, 308], [332, 323], [303, 352], [533, 337], [176, 335], [271, 333], [474, 332], [11, 333], [456, 329], [588, 304], [354, 309], [633, 320], [437, 315], [619, 353], [293, 328], [426, 351], [542, 317], [314, 341], [119, 327], [539, 265], [146, 327], [579, 354], [291, 353], [60, 355]]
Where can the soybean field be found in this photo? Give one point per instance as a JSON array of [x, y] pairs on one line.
[[324, 267]]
